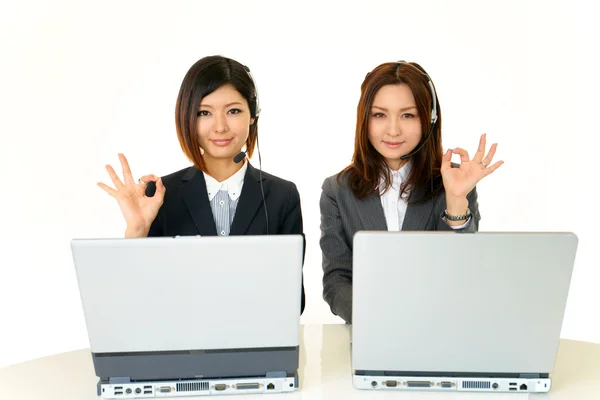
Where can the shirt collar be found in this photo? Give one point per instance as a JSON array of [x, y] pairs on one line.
[[232, 185], [398, 176]]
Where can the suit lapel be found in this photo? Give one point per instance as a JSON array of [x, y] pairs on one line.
[[370, 212], [249, 203], [195, 197], [417, 215]]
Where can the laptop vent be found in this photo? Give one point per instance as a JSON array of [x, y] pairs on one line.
[[192, 386], [475, 385]]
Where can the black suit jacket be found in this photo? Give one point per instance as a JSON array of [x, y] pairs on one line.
[[186, 209]]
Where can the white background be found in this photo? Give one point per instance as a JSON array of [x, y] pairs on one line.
[[82, 81]]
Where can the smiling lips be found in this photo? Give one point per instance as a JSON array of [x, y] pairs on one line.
[[221, 142], [392, 145]]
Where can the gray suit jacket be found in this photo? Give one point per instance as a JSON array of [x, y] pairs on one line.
[[342, 215]]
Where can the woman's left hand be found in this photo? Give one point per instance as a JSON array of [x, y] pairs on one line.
[[458, 182]]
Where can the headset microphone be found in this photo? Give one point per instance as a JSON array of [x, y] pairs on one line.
[[434, 115]]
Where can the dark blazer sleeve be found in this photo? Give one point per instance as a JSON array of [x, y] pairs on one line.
[[292, 224], [473, 224], [337, 255]]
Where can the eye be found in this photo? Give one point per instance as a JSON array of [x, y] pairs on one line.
[[378, 115], [235, 111], [408, 115], [203, 113]]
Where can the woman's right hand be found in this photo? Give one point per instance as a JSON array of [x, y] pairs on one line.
[[138, 209]]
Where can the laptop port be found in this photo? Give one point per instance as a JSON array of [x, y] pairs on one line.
[[391, 383], [446, 384], [513, 384], [512, 388], [165, 389], [523, 387], [128, 391], [138, 390], [147, 391], [270, 386], [420, 384], [118, 392], [246, 386], [220, 386], [147, 387]]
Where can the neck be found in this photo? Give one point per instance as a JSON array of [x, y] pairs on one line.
[[395, 165], [222, 168]]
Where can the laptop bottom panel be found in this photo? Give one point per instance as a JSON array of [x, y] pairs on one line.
[[207, 364], [197, 387], [449, 384]]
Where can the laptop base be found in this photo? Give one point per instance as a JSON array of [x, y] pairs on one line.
[[452, 384], [196, 387]]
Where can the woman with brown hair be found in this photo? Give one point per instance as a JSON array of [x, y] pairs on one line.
[[222, 194], [399, 178]]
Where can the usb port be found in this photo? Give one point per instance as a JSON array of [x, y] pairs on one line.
[[147, 391], [147, 387], [512, 388], [119, 392]]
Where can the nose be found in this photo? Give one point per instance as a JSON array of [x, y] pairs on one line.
[[395, 128], [220, 124]]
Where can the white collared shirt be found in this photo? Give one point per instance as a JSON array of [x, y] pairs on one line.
[[394, 207], [232, 185]]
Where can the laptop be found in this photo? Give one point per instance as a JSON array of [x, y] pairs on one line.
[[445, 311], [189, 316]]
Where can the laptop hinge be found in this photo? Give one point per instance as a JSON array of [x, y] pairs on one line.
[[276, 374], [119, 379], [368, 373], [529, 376]]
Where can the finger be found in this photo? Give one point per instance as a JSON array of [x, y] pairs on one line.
[[480, 150], [464, 155], [490, 156], [114, 177], [160, 189], [447, 160], [492, 168], [126, 170], [148, 178], [107, 189]]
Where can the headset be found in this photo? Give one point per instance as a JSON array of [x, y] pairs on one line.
[[242, 154], [434, 114]]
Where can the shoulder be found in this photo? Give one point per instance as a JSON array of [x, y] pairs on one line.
[[177, 177]]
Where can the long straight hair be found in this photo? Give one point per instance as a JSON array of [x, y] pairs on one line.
[[368, 165]]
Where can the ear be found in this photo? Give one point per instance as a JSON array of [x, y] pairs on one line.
[[252, 120]]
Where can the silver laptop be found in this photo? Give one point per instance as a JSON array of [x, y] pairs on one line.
[[188, 316], [444, 311]]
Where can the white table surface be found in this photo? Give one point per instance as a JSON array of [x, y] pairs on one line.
[[324, 374]]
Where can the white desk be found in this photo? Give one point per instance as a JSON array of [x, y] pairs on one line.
[[324, 374]]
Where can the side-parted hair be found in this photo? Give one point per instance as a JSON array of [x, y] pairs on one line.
[[368, 165], [204, 77]]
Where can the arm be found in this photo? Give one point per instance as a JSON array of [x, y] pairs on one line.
[[337, 257], [292, 225], [470, 226]]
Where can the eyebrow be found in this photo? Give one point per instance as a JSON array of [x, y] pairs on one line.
[[402, 109], [226, 105]]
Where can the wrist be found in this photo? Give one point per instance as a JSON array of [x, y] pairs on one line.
[[456, 205], [136, 232]]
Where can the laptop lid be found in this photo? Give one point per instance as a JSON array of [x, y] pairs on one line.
[[182, 293], [439, 302]]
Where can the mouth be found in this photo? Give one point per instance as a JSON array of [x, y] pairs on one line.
[[392, 145], [221, 142]]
